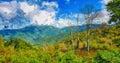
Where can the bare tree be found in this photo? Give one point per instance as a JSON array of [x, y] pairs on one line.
[[77, 30], [70, 29], [90, 14]]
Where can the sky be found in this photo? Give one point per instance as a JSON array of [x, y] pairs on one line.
[[16, 14]]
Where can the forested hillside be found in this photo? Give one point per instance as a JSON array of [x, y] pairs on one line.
[[104, 48], [39, 35]]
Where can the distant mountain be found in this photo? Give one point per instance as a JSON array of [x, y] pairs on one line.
[[40, 34]]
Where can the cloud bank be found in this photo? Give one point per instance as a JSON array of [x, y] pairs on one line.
[[40, 15], [44, 14]]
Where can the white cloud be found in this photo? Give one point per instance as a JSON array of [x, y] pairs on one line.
[[27, 8], [64, 23], [48, 16], [41, 17], [5, 10], [50, 4], [104, 18], [106, 1], [8, 9], [44, 17]]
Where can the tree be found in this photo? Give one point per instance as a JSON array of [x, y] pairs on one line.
[[70, 29], [1, 42], [90, 13], [77, 30], [114, 8]]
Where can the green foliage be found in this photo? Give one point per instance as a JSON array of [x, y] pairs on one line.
[[68, 57], [104, 39], [44, 57], [18, 44], [114, 8], [107, 57], [19, 58], [117, 41]]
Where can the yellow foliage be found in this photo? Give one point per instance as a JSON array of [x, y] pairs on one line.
[[81, 44], [62, 47], [51, 48], [10, 50], [94, 44], [104, 40], [1, 42]]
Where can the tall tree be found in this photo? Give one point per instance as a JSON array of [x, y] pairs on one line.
[[114, 8], [77, 31], [90, 13]]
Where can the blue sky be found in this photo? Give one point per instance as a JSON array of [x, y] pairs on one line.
[[69, 6], [46, 12]]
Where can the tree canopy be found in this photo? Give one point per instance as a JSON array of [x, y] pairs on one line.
[[114, 8], [18, 44]]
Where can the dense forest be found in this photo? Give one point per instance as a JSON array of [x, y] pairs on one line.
[[92, 45], [104, 48]]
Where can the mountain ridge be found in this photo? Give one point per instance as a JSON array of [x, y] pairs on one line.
[[35, 33]]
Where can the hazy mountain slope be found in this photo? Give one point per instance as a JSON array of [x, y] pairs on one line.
[[43, 34]]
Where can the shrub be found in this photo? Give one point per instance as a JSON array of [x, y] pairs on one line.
[[117, 41], [107, 57], [68, 57]]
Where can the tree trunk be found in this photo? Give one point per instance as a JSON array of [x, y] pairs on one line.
[[71, 39], [77, 42], [77, 31], [88, 39]]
